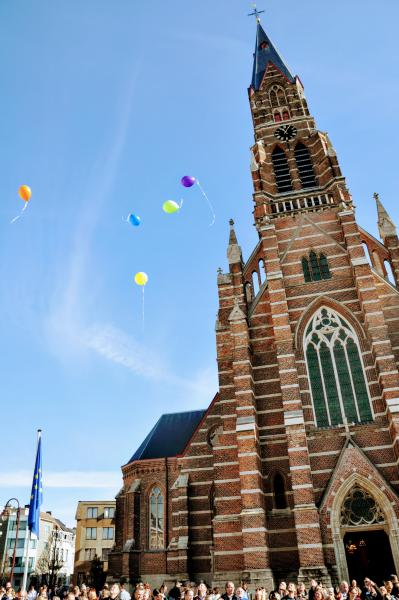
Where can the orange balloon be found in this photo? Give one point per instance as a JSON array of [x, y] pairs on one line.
[[25, 193]]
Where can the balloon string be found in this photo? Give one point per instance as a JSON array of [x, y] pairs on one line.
[[21, 213], [209, 203], [142, 305]]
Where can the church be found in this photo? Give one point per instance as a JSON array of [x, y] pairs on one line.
[[292, 470]]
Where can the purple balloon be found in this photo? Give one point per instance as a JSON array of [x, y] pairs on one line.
[[188, 181]]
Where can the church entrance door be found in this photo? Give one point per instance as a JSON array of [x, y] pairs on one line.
[[368, 554]]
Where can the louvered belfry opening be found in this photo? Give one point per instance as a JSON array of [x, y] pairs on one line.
[[281, 170], [304, 166]]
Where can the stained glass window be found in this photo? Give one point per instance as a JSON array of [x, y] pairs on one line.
[[336, 374], [359, 508], [156, 511]]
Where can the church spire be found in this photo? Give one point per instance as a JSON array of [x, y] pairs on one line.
[[265, 53], [386, 226]]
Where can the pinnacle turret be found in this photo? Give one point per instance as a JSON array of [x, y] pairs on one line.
[[234, 254], [265, 53], [386, 226]]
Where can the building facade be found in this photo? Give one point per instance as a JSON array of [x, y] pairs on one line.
[[292, 471], [95, 536], [54, 550]]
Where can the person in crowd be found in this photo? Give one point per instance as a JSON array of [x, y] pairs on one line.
[[229, 593], [282, 589], [312, 589], [104, 589], [370, 591], [301, 591], [32, 593], [164, 591], [247, 595], [274, 596], [201, 591], [216, 593], [138, 592], [240, 593], [260, 594], [330, 594], [388, 585], [71, 595], [354, 593], [76, 591], [343, 591], [92, 594], [114, 591], [124, 594], [189, 594]]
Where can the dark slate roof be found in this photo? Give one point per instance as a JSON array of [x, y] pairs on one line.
[[170, 435], [263, 56]]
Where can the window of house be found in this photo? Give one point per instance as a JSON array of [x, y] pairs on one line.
[[286, 115], [90, 553], [277, 117], [109, 512], [281, 170], [92, 512], [108, 533], [304, 166], [105, 553], [91, 533], [156, 520], [336, 372], [315, 267]]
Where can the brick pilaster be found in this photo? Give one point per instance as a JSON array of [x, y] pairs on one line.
[[306, 516]]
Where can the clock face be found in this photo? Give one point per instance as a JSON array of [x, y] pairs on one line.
[[285, 133]]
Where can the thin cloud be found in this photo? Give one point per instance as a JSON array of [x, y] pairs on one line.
[[64, 479]]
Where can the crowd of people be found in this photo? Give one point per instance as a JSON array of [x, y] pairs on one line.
[[191, 591]]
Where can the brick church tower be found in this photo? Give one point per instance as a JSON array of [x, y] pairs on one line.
[[292, 471]]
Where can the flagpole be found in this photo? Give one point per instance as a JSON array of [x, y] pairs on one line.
[[26, 565]]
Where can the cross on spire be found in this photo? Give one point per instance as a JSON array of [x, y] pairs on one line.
[[256, 13]]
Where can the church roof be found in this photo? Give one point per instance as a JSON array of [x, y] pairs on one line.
[[265, 53], [169, 436]]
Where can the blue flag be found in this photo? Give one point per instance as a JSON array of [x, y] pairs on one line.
[[36, 497]]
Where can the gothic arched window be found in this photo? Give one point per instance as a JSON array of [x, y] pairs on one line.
[[280, 499], [315, 267], [304, 166], [156, 520], [277, 96], [281, 170], [336, 372]]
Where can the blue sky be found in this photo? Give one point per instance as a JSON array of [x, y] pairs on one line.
[[104, 106]]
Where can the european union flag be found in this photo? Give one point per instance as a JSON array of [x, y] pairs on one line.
[[36, 497]]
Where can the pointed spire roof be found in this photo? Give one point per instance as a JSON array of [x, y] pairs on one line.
[[265, 53], [386, 226], [234, 254]]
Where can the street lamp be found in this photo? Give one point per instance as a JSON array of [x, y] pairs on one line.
[[7, 510]]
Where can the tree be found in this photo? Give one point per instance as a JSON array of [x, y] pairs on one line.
[[49, 563]]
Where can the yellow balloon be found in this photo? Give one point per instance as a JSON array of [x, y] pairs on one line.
[[141, 278], [170, 207], [25, 193]]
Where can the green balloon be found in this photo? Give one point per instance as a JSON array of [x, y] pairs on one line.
[[170, 207]]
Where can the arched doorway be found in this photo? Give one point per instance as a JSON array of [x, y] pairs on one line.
[[368, 554], [364, 530]]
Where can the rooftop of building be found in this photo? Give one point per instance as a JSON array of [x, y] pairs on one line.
[[169, 436]]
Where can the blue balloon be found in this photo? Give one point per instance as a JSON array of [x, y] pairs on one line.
[[134, 220]]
